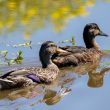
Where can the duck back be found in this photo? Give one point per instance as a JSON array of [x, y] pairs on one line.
[[76, 55]]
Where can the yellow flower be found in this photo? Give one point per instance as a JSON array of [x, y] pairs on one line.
[[65, 9], [56, 15], [90, 2], [32, 12], [10, 22], [1, 24], [11, 4], [25, 20], [82, 11]]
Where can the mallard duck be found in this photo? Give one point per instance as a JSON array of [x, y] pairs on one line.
[[32, 75], [74, 55]]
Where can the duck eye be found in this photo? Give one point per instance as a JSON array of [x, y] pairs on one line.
[[52, 45], [95, 27]]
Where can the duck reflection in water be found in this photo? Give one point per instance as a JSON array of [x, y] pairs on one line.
[[96, 78], [52, 97], [49, 95]]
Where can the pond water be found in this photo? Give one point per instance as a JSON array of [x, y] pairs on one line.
[[85, 87]]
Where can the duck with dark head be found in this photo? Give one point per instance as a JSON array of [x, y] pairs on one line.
[[74, 55], [33, 75], [90, 32]]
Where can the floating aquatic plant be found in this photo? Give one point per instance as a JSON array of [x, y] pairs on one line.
[[17, 60], [26, 44], [4, 53], [70, 41]]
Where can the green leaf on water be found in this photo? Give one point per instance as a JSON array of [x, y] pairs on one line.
[[73, 41], [4, 53], [64, 41], [19, 58], [10, 62], [26, 44]]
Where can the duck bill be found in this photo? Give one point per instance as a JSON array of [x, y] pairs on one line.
[[60, 50], [102, 34]]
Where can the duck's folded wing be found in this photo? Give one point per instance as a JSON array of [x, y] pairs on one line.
[[5, 83], [15, 72], [68, 56], [74, 49], [34, 78]]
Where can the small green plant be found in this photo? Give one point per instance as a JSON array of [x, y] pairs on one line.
[[70, 41], [26, 44], [17, 60], [4, 53], [73, 41]]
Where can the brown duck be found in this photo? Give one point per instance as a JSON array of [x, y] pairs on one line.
[[30, 76], [74, 55]]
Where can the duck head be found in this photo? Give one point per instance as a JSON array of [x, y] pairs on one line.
[[92, 30], [47, 49]]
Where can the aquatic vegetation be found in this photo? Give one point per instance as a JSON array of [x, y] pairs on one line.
[[17, 60], [72, 41], [4, 53], [19, 57], [26, 44]]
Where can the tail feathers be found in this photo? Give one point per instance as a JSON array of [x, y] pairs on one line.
[[6, 74], [5, 84]]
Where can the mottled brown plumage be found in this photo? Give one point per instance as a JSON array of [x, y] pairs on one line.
[[29, 76], [74, 55]]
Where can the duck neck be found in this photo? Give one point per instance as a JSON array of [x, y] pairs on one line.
[[47, 62], [90, 42]]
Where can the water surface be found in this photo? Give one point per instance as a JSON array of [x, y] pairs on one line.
[[80, 88]]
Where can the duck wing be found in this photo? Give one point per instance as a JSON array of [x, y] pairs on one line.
[[68, 57], [36, 74], [74, 55], [74, 49], [17, 78], [14, 73], [5, 83]]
